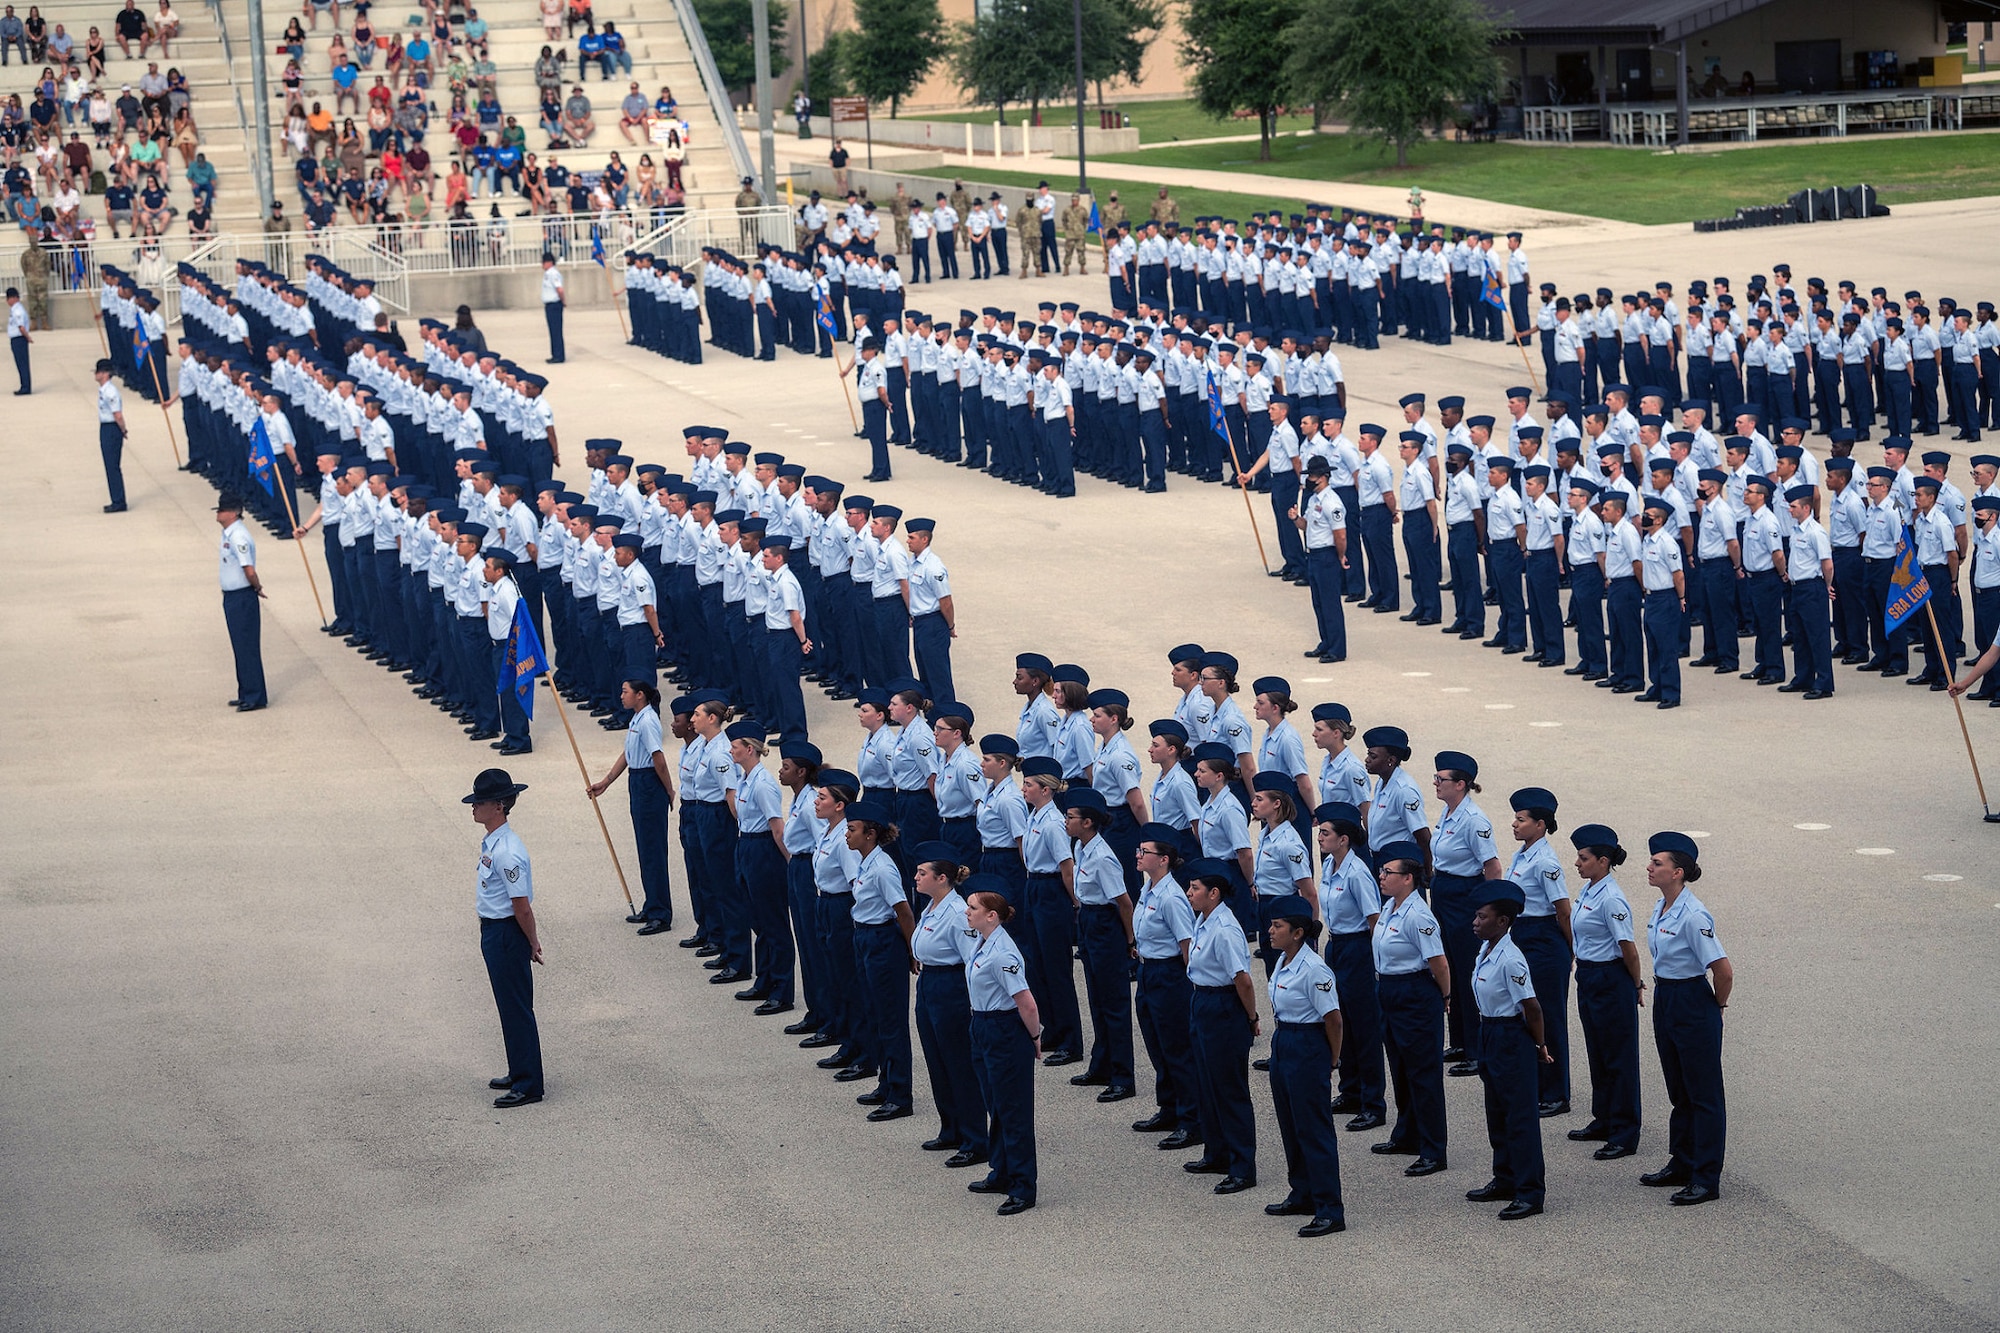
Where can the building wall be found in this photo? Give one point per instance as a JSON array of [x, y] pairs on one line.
[[1163, 75], [1910, 28]]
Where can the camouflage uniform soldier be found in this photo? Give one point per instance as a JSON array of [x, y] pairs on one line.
[[35, 279], [961, 201], [1112, 214], [1165, 208], [1076, 228], [1027, 228], [899, 209]]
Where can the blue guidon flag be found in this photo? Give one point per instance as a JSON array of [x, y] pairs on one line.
[[1216, 421], [1908, 588], [263, 463], [523, 660]]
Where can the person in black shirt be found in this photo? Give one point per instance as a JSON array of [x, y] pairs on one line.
[[118, 206], [131, 27], [131, 115]]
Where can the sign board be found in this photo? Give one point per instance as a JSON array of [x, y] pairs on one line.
[[850, 110]]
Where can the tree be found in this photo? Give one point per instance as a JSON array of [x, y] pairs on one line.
[[728, 26], [1230, 46], [893, 47], [1025, 50], [829, 70], [1397, 69]]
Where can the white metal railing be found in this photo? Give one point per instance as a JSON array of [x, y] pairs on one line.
[[390, 254]]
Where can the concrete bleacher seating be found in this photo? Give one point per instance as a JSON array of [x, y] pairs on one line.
[[659, 50]]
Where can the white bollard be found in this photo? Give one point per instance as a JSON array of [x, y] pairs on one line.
[[968, 138]]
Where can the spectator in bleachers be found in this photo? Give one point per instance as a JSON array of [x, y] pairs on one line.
[[417, 168], [153, 212], [100, 118], [482, 167], [307, 170], [418, 56], [589, 51], [76, 157], [76, 96], [319, 126], [294, 80], [475, 26], [13, 37], [552, 13], [201, 222], [344, 76], [381, 126], [48, 161], [131, 115], [364, 40], [294, 40], [66, 199], [186, 139], [412, 119], [549, 69], [313, 8], [579, 12], [577, 124], [633, 112], [487, 108], [672, 154], [534, 185], [153, 88], [485, 73], [130, 26], [117, 205], [616, 55], [166, 24], [617, 180], [180, 97], [296, 140], [61, 44], [43, 112], [665, 105], [38, 34], [93, 53], [457, 188], [550, 115], [145, 156], [645, 179], [201, 179]]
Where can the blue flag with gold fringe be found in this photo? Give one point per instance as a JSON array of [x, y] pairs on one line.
[[1908, 588], [263, 463], [597, 247], [1216, 421], [523, 661], [826, 321]]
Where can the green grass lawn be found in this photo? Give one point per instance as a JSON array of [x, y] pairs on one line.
[[1136, 196], [1631, 185], [1157, 122]]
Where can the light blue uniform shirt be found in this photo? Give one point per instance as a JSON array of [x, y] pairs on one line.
[[1406, 938], [834, 862], [759, 800], [1162, 919], [1343, 778], [1599, 920], [1035, 733], [1302, 989], [1224, 830], [1075, 745], [872, 764], [1281, 861], [995, 974], [878, 887], [1228, 727], [942, 939], [504, 873], [714, 772], [1219, 950], [802, 826], [1003, 815], [1176, 800], [959, 783], [1045, 845], [1099, 877], [1682, 938], [1397, 812], [1348, 894], [642, 739], [1500, 979], [1540, 876], [1463, 842], [1115, 772], [1282, 751], [913, 756]]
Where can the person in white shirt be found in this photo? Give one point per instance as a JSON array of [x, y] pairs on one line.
[[554, 298], [241, 591]]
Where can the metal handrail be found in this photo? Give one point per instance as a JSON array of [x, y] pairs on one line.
[[718, 92]]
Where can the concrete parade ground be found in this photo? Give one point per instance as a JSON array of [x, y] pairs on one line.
[[245, 1031]]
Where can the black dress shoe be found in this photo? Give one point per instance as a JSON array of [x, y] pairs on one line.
[[854, 1073], [1293, 1207], [1187, 1136], [753, 993], [986, 1186], [1089, 1080], [838, 1060], [1611, 1152], [1234, 1185], [890, 1111], [1705, 660], [873, 1097], [705, 949], [1692, 1194], [1665, 704], [769, 1007], [1452, 1053], [1061, 1058], [965, 1157], [1464, 1069], [482, 735], [517, 1098], [1517, 1210], [1117, 1094], [1495, 642], [1206, 1166], [1649, 697], [1547, 1109], [1322, 1226], [635, 919], [816, 1040], [1512, 650], [1015, 1204], [938, 1144], [1577, 670], [1349, 1105], [654, 928], [1424, 1166], [1160, 1122], [500, 1084], [1666, 1175], [1590, 1133], [1260, 1064], [1391, 1148], [1468, 634], [1365, 1121], [728, 976], [1828, 694], [234, 703], [1490, 1191]]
